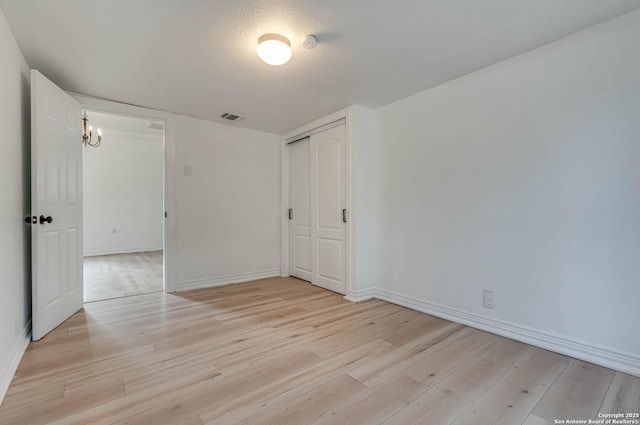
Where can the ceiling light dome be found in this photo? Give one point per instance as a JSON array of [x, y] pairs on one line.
[[274, 49]]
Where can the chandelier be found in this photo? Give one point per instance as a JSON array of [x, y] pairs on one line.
[[87, 133]]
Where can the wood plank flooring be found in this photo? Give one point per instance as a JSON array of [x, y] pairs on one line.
[[281, 351], [122, 275]]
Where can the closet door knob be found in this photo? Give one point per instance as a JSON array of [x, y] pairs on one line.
[[44, 219]]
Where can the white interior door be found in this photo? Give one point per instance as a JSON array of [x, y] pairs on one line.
[[56, 192], [328, 209], [300, 213]]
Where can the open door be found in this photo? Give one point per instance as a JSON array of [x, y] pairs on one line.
[[56, 205]]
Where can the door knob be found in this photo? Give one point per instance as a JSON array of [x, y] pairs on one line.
[[44, 219], [31, 219]]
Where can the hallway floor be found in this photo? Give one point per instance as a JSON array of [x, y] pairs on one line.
[[122, 275]]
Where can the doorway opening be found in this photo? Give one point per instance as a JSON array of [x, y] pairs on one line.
[[123, 208]]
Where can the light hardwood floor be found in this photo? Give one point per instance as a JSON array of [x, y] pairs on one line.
[[122, 275], [280, 351]]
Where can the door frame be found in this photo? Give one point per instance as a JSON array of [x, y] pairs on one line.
[[169, 238], [350, 250]]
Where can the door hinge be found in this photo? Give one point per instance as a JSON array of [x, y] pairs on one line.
[[344, 216], [290, 213], [165, 214]]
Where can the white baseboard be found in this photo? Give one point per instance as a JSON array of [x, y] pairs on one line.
[[97, 252], [226, 280], [361, 295], [589, 352], [8, 369]]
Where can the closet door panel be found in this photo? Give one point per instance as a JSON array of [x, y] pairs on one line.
[[300, 220], [328, 200]]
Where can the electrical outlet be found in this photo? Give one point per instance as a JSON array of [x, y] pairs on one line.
[[188, 171], [114, 230], [489, 300]]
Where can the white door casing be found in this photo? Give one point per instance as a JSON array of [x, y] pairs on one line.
[[56, 192], [300, 214], [328, 209]]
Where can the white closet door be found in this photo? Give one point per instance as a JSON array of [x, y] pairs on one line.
[[56, 202], [300, 214], [328, 208]]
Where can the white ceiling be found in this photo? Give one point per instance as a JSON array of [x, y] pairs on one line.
[[109, 123], [197, 57]]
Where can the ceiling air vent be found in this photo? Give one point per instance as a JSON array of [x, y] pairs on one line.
[[231, 117]]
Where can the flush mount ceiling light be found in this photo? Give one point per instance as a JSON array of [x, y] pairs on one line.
[[274, 49]]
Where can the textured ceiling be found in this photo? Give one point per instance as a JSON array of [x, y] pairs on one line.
[[197, 57]]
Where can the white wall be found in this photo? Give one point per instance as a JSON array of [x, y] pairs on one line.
[[123, 190], [15, 236], [362, 136], [522, 178], [228, 210]]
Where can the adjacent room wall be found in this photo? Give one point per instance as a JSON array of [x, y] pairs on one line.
[[227, 211], [15, 236], [123, 190], [523, 179]]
